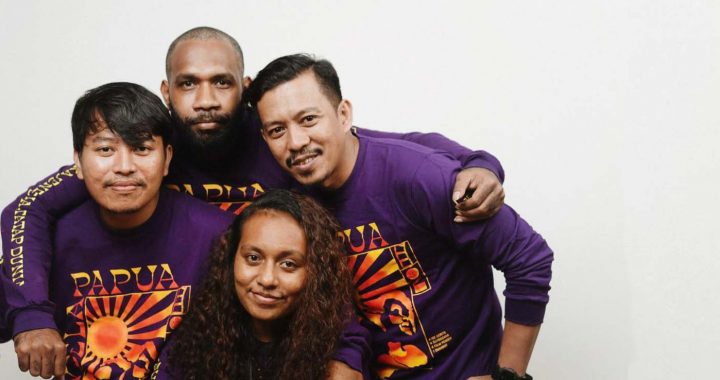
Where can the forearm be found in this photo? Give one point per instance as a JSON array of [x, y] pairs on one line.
[[27, 244], [437, 141], [517, 346]]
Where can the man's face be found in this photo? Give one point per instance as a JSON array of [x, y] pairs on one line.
[[123, 180], [203, 90], [306, 133], [270, 268]]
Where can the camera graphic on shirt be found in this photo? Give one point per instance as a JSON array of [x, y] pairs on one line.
[[387, 280]]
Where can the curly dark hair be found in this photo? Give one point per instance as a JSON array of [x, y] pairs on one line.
[[216, 339]]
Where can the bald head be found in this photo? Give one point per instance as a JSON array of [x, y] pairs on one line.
[[203, 33]]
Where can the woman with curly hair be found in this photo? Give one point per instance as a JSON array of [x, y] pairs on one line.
[[276, 297]]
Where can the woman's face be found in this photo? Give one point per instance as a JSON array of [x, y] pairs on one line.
[[270, 268]]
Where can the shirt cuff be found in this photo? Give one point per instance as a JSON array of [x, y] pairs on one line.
[[524, 312], [475, 161], [32, 320]]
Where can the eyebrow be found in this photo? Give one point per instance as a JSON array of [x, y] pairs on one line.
[[225, 76], [192, 77], [283, 253], [184, 77], [103, 139]]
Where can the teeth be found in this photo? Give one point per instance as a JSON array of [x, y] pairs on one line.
[[304, 161]]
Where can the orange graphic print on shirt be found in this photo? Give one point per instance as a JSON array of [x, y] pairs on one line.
[[119, 336], [387, 278], [226, 197]]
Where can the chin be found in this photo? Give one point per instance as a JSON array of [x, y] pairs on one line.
[[124, 210]]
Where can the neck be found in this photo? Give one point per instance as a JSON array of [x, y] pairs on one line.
[[347, 163], [129, 220], [267, 331]]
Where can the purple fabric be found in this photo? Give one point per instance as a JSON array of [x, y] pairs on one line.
[[467, 157], [26, 222], [137, 282], [425, 283]]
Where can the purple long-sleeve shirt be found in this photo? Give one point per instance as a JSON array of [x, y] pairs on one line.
[[425, 283], [119, 294], [26, 222]]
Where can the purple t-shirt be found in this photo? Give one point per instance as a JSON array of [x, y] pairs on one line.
[[118, 294], [26, 222], [425, 283]]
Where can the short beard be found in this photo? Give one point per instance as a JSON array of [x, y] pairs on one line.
[[208, 148]]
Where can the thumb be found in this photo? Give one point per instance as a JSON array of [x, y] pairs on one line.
[[461, 186]]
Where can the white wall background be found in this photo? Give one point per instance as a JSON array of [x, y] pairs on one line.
[[605, 115]]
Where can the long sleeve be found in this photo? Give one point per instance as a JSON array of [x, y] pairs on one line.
[[505, 241], [436, 141], [354, 347], [26, 227]]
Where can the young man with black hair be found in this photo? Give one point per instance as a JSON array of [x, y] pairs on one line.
[[425, 283], [126, 262]]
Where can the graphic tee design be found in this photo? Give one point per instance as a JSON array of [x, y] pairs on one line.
[[424, 284], [121, 294], [387, 280], [119, 335]]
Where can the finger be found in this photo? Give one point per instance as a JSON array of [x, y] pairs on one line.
[[462, 185], [35, 365], [478, 196], [492, 204], [60, 362], [23, 361], [47, 365]]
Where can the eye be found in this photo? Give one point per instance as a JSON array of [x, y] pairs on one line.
[[223, 83], [186, 84], [142, 150], [275, 132], [252, 258], [104, 150], [288, 265], [309, 118]]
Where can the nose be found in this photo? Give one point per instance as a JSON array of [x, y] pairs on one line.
[[297, 138], [266, 277], [205, 97], [124, 162]]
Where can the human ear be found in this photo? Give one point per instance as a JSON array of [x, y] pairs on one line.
[[344, 112], [76, 159], [165, 91], [168, 158]]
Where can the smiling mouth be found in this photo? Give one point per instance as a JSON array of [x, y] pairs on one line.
[[264, 299], [124, 186], [303, 162]]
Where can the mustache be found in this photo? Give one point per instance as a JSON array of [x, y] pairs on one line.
[[208, 117], [304, 152]]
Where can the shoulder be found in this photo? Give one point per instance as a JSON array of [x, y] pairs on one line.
[[406, 159]]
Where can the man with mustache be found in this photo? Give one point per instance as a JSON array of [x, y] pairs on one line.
[[126, 261], [219, 158], [412, 266]]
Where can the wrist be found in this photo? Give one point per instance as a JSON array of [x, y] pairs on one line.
[[502, 373]]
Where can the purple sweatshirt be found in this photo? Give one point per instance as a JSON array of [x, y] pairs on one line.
[[118, 294], [26, 222], [425, 283]]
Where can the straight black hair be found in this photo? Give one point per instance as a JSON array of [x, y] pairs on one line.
[[289, 67], [127, 109]]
